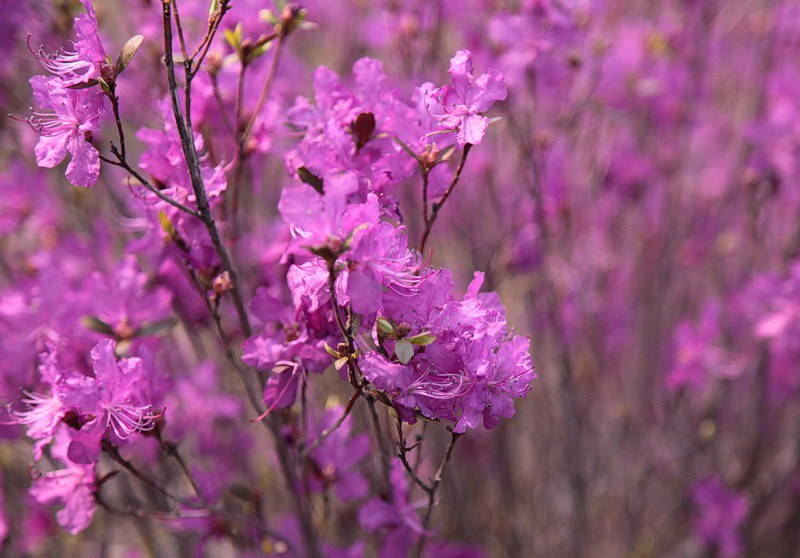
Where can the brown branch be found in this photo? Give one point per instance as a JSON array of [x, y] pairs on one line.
[[122, 163], [184, 126], [201, 51], [112, 451], [183, 123]]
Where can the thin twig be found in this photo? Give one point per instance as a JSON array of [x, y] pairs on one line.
[[201, 51], [306, 452], [245, 128], [114, 454], [179, 28], [437, 481], [115, 108], [171, 449], [273, 69], [382, 444], [425, 177], [146, 184], [122, 160], [401, 443], [149, 514], [437, 206]]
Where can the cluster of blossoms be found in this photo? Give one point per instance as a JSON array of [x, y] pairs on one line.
[[80, 412], [426, 351], [339, 288]]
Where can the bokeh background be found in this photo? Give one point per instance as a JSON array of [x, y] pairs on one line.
[[636, 207]]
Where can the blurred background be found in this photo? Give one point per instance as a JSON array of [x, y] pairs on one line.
[[636, 208]]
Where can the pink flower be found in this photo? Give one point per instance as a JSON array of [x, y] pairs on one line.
[[45, 411], [86, 61], [114, 395], [72, 486], [719, 513], [328, 219], [65, 122], [467, 98], [396, 513]]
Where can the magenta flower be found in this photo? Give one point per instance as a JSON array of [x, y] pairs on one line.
[[470, 372], [326, 220], [503, 372], [381, 259], [44, 411], [108, 404], [465, 101], [719, 513], [337, 458], [72, 486], [396, 516], [115, 393], [83, 63], [163, 160], [65, 122], [288, 353], [126, 301], [699, 356]]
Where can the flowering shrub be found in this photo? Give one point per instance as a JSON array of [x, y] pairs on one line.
[[257, 327]]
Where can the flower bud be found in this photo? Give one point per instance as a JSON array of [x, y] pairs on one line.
[[222, 283]]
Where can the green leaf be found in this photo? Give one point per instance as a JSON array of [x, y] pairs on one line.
[[85, 85], [406, 148], [385, 325], [156, 327], [422, 339], [166, 224], [355, 324], [268, 16], [259, 50], [96, 324], [383, 398], [104, 86], [367, 342], [340, 362], [122, 348], [404, 351], [307, 25], [348, 241], [418, 414], [234, 37], [440, 132], [446, 154], [331, 351], [323, 251], [242, 492]]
